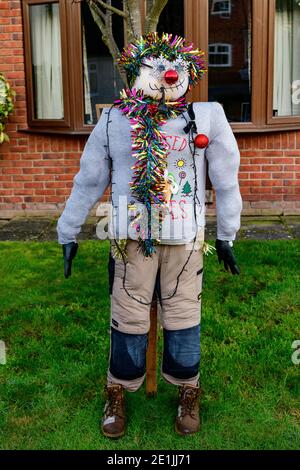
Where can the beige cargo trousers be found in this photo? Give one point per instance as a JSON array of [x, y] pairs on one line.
[[175, 271]]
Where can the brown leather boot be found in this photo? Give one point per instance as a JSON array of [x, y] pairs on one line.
[[188, 421], [113, 422]]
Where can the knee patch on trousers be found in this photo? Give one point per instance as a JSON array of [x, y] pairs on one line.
[[181, 356], [127, 355]]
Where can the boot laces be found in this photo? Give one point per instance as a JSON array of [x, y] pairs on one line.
[[114, 402], [188, 398]]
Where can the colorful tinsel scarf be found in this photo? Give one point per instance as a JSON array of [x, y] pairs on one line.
[[147, 116], [165, 45]]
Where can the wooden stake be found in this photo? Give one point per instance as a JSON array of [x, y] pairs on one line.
[[151, 358]]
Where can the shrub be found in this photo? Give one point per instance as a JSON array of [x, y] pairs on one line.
[[6, 106]]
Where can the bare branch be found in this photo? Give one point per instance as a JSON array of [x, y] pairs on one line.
[[129, 36], [99, 12], [108, 6], [154, 14], [102, 12], [97, 15], [107, 35], [111, 39], [113, 45]]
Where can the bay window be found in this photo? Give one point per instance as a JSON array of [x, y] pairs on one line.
[[252, 49]]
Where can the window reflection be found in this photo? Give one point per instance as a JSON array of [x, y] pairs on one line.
[[220, 55], [229, 57], [221, 8], [102, 81], [171, 19]]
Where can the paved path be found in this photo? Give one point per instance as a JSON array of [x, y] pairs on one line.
[[253, 228]]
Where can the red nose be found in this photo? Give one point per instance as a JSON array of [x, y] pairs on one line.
[[171, 77]]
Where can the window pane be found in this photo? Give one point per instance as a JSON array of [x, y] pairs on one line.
[[221, 7], [102, 81], [46, 61], [172, 18], [230, 70], [287, 59]]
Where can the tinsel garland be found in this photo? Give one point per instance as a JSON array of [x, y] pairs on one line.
[[166, 45], [149, 148]]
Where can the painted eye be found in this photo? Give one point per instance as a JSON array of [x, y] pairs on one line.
[[161, 68], [178, 68], [147, 65]]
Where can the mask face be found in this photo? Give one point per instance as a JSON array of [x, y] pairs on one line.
[[158, 73]]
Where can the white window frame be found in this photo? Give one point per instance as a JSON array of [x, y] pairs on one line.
[[228, 53], [224, 13]]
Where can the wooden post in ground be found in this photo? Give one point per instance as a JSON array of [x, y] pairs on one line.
[[151, 358]]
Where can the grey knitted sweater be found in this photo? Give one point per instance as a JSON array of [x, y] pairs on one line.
[[107, 158]]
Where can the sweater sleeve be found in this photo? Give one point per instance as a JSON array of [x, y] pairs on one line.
[[89, 183], [223, 164]]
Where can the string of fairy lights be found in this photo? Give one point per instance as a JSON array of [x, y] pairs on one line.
[[147, 116], [149, 150], [190, 129]]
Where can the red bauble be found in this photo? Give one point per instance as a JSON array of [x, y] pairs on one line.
[[171, 77], [201, 141]]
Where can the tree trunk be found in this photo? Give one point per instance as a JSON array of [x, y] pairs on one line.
[[134, 19], [153, 13], [103, 12]]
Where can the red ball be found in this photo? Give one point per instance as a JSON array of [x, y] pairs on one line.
[[201, 141], [171, 77]]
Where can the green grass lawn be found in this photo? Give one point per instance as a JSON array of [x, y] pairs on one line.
[[57, 337]]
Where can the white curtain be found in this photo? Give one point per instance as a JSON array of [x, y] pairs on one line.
[[46, 61], [287, 57], [87, 88]]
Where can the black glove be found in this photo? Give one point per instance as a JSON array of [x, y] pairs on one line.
[[225, 254], [69, 251]]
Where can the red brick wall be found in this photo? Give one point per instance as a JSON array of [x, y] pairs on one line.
[[36, 172], [270, 172]]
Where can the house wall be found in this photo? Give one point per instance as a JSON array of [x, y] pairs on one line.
[[36, 171]]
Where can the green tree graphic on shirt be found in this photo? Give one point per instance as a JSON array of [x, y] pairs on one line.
[[186, 190]]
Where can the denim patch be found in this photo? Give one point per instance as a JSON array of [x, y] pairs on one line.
[[181, 356], [128, 355]]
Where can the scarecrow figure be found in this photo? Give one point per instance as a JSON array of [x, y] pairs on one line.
[[153, 148]]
